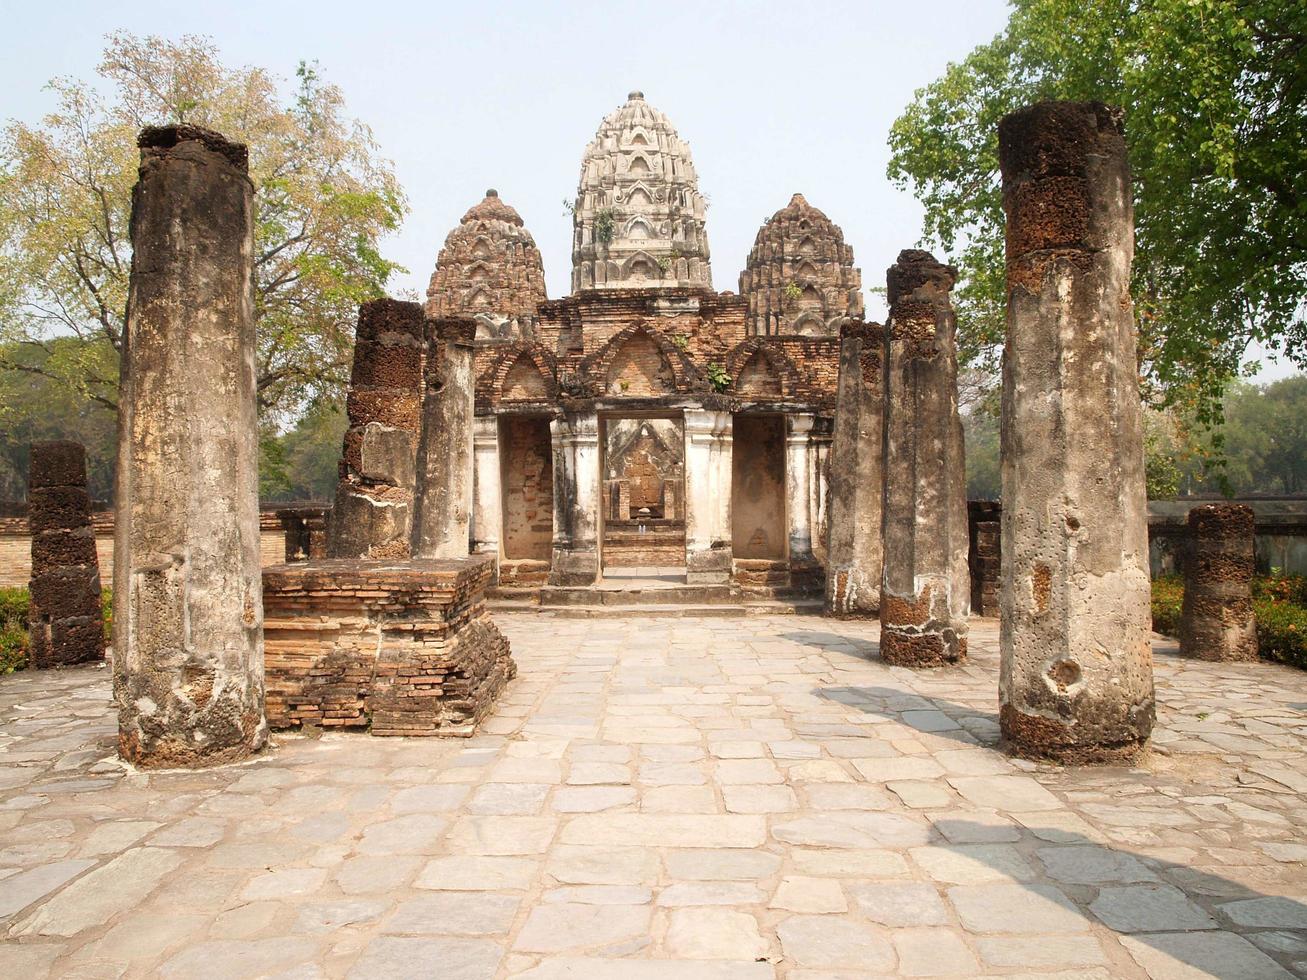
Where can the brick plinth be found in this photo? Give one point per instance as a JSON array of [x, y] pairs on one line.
[[399, 648]]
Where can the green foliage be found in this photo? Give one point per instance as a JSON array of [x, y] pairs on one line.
[[1168, 597], [1282, 632], [35, 407], [324, 199], [718, 376], [681, 341], [605, 221], [13, 630], [302, 464], [792, 292], [1260, 446], [14, 637], [1279, 605], [980, 428], [1215, 110]]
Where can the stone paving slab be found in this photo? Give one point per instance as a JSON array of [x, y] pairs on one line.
[[671, 798]]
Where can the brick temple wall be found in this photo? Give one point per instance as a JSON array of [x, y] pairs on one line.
[[398, 648]]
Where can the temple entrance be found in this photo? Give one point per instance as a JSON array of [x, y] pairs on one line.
[[527, 487], [758, 488], [643, 498]]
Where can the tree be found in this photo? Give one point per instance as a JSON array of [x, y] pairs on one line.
[[1215, 93], [34, 408], [324, 199]]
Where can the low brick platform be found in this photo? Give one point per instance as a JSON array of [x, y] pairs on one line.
[[397, 647]]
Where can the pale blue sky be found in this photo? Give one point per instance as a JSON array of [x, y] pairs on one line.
[[773, 98]]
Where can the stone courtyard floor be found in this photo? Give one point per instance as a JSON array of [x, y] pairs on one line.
[[671, 798]]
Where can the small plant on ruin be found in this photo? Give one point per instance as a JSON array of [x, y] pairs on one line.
[[605, 220], [664, 265], [792, 292], [681, 341], [718, 377]]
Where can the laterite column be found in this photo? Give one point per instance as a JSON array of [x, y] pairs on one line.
[[1216, 620], [188, 611], [855, 553], [64, 620], [1076, 677], [926, 592], [443, 509], [373, 515]]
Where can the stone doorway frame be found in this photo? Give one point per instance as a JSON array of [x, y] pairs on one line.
[[618, 413]]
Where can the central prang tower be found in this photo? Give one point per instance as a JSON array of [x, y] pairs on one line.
[[638, 220]]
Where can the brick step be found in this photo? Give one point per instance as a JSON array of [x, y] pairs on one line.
[[553, 596], [685, 610]]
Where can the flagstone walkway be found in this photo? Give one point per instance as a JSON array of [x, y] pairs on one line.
[[671, 798]]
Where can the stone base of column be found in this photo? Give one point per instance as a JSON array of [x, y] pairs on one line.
[[574, 568], [398, 648], [852, 594], [916, 631], [711, 567], [1100, 734]]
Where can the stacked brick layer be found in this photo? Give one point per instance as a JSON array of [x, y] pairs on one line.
[[1216, 620], [400, 648], [374, 499], [65, 622]]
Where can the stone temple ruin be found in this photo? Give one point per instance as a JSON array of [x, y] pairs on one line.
[[644, 429]]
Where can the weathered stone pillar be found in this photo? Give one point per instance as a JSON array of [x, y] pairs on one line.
[[1216, 620], [188, 612], [855, 552], [373, 514], [443, 508], [819, 447], [575, 559], [1076, 678], [798, 504], [708, 551], [64, 619], [487, 499], [926, 591]]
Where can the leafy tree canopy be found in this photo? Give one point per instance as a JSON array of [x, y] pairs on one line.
[[1215, 93], [324, 200]]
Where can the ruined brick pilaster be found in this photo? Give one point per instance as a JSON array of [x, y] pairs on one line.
[[443, 508], [709, 553], [188, 614], [926, 591], [1216, 620], [373, 514], [855, 553], [64, 621], [1076, 679]]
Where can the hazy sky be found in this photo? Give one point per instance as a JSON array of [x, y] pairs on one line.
[[773, 98]]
